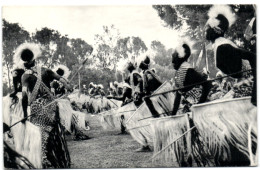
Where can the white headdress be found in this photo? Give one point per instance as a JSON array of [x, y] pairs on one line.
[[111, 85], [64, 68], [180, 49], [122, 65], [101, 86], [34, 48], [141, 58], [217, 10]]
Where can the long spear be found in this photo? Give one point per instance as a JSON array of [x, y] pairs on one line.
[[54, 99], [199, 83], [159, 114]]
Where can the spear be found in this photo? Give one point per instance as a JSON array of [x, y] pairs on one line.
[[199, 83], [191, 85]]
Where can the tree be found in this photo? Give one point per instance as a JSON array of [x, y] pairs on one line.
[[130, 47], [105, 44], [13, 36], [49, 39], [78, 50], [193, 18], [162, 61], [160, 53]]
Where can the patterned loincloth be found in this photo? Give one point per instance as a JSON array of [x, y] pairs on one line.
[[54, 148]]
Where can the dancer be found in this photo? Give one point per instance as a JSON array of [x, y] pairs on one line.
[[64, 72], [36, 94], [126, 97], [136, 83], [59, 88], [151, 83], [228, 57], [186, 76]]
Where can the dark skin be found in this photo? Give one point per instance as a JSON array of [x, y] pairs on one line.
[[17, 76], [127, 93], [229, 59], [137, 79], [193, 77], [29, 81]]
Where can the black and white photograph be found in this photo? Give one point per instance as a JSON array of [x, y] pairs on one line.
[[129, 86]]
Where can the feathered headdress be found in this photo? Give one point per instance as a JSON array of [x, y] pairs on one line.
[[221, 17], [120, 85], [91, 84], [100, 86], [185, 45], [26, 52], [115, 83], [111, 85], [123, 64], [145, 58], [62, 70]]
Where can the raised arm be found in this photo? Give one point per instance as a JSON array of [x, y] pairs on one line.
[[60, 79]]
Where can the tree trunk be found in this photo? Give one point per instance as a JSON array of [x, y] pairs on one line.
[[116, 75], [8, 75], [79, 84], [123, 77]]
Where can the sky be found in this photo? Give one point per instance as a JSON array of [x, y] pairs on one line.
[[86, 21]]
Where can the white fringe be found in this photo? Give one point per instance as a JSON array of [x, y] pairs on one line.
[[111, 119], [7, 101], [226, 121], [65, 113], [27, 137], [81, 119], [167, 130], [138, 121], [32, 144]]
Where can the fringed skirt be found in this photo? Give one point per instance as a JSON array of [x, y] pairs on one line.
[[55, 153]]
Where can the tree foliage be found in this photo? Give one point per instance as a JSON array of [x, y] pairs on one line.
[[13, 36], [191, 20], [162, 61], [195, 16]]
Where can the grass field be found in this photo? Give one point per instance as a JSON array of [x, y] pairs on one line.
[[108, 149]]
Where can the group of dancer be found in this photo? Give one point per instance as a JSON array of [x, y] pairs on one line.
[[192, 86], [40, 86]]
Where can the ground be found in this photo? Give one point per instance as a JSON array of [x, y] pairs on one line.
[[108, 149]]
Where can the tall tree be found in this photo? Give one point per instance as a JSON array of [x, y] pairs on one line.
[[77, 52], [104, 46], [162, 61], [130, 47], [13, 36], [49, 39]]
